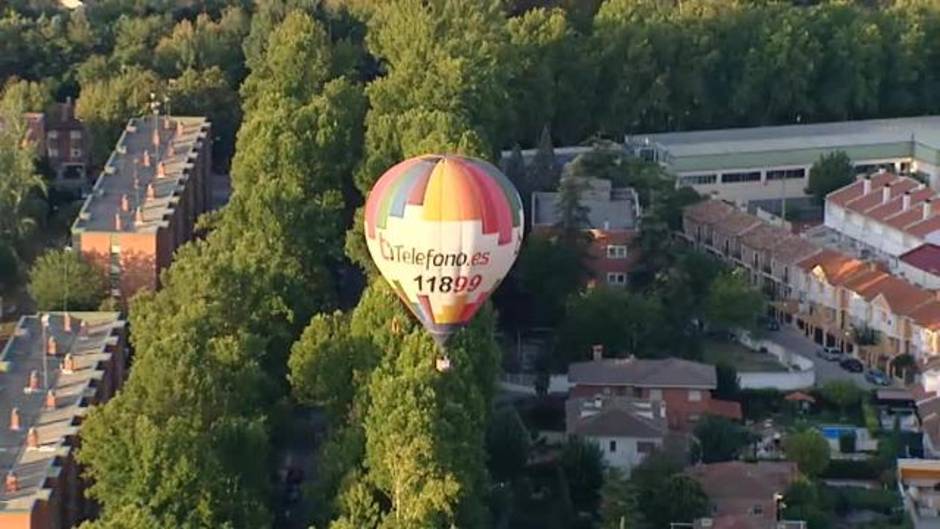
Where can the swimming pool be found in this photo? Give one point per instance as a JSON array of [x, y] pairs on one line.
[[834, 432]]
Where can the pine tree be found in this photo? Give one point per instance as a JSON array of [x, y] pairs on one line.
[[544, 171]]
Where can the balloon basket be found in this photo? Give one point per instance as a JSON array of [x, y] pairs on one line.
[[442, 364]]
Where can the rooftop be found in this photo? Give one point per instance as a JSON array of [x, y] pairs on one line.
[[925, 257], [793, 249], [896, 201], [668, 372], [80, 344], [708, 211], [615, 417], [836, 265], [139, 187], [736, 223], [764, 237], [921, 130], [608, 207], [734, 480]]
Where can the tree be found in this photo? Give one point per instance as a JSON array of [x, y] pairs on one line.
[[544, 170], [572, 213], [720, 439], [809, 450], [63, 280], [728, 383], [20, 182], [548, 272], [583, 463], [681, 499], [507, 445], [732, 302], [619, 509], [844, 394], [207, 93], [832, 171], [9, 265], [623, 322]]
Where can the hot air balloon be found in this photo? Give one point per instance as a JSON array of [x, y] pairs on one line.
[[444, 231]]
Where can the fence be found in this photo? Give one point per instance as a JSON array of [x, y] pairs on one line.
[[800, 374]]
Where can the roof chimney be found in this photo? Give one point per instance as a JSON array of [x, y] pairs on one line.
[[83, 328], [151, 192], [146, 160], [68, 364], [156, 137], [11, 483], [52, 346], [179, 128], [67, 109], [139, 217], [117, 222], [32, 385], [161, 170], [15, 423], [885, 193], [866, 185], [125, 204], [50, 400], [928, 209], [67, 322], [32, 438], [906, 200], [598, 351]]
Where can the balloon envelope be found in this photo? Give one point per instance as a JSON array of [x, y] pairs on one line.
[[444, 231]]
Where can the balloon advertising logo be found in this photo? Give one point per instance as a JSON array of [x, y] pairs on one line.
[[444, 231]]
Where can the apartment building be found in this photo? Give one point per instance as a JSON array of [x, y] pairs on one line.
[[145, 203], [612, 223], [61, 139], [55, 366]]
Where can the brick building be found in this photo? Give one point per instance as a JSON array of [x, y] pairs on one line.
[[685, 387], [613, 222], [744, 495], [145, 203], [62, 140], [54, 367]]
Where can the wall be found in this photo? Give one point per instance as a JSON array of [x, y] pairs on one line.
[[626, 456], [802, 374], [599, 264]]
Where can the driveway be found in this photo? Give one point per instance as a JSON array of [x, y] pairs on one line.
[[794, 341]]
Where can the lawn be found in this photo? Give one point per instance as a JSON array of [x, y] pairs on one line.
[[742, 358]]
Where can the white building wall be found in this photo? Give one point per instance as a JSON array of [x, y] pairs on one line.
[[625, 455], [917, 276]]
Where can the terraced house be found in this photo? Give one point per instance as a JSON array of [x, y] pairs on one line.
[[835, 299]]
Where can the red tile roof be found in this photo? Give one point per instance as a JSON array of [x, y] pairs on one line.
[[854, 190], [735, 480], [836, 265], [793, 249], [737, 223], [708, 211], [903, 297], [764, 237], [725, 408], [926, 257], [927, 315], [918, 219]]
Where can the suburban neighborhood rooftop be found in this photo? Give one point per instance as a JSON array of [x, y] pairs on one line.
[[668, 372], [607, 207]]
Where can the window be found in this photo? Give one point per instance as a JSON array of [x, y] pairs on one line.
[[75, 134], [656, 394], [616, 251], [613, 446], [694, 417], [53, 152], [75, 153], [757, 510], [645, 447], [638, 392], [53, 134], [786, 174], [747, 176], [695, 395], [698, 179], [616, 278]]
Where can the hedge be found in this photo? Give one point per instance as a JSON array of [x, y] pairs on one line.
[[852, 469]]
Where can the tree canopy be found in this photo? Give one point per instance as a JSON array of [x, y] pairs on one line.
[[832, 171], [64, 280], [809, 450]]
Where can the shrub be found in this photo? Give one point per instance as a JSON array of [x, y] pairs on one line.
[[848, 469], [847, 442], [871, 417]]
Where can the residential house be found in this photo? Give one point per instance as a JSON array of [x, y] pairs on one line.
[[784, 274], [744, 495], [728, 233], [612, 224], [61, 139], [699, 221], [919, 485], [928, 414], [626, 430], [55, 367], [757, 250], [686, 387]]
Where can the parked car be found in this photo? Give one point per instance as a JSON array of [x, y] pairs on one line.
[[773, 325], [853, 365], [829, 353], [877, 377]]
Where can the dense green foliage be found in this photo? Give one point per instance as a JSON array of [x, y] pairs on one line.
[[64, 280], [809, 449], [720, 439], [832, 171]]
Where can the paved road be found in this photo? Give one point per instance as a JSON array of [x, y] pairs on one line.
[[795, 342]]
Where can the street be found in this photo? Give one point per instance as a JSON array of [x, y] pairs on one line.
[[795, 342]]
